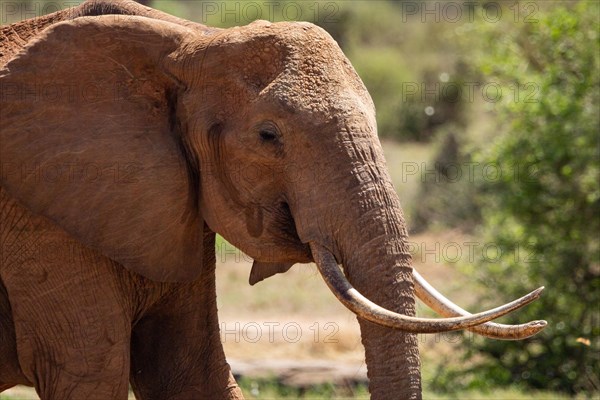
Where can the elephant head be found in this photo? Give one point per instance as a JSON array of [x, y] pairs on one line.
[[135, 135]]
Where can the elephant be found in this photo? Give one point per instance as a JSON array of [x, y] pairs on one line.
[[125, 134]]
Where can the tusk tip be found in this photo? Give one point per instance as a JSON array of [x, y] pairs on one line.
[[533, 328], [536, 325], [537, 292]]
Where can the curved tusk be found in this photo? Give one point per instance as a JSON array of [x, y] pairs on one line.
[[366, 309], [446, 308]]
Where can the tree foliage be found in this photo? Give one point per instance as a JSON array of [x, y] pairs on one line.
[[543, 212]]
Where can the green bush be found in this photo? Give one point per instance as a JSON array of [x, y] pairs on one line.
[[401, 63], [543, 212]]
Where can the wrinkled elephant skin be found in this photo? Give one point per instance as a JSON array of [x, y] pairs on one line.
[[128, 137]]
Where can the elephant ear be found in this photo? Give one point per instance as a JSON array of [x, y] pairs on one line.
[[90, 139]]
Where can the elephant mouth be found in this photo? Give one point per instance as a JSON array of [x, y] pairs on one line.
[[287, 225], [286, 235], [456, 317]]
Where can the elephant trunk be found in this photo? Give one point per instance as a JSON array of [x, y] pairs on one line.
[[374, 252]]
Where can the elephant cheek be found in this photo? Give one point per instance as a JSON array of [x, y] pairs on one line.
[[254, 221]]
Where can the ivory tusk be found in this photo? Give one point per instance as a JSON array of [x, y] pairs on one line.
[[446, 308], [366, 309]]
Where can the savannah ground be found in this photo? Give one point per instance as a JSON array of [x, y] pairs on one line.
[[294, 321]]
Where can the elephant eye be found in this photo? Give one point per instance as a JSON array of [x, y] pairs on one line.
[[267, 135]]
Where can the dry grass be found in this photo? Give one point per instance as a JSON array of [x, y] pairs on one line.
[[300, 299], [290, 315]]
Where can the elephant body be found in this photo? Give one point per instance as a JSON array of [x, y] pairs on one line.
[[76, 324], [128, 138]]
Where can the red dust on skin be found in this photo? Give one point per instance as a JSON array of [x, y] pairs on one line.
[[285, 96]]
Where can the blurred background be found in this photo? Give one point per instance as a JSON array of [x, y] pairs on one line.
[[488, 113]]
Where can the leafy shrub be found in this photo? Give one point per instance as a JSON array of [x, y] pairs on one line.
[[402, 71], [543, 212]]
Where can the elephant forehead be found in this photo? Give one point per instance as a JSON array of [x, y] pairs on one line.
[[316, 76], [321, 92]]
